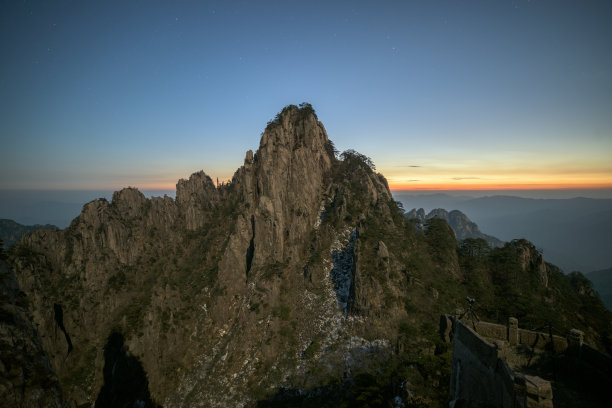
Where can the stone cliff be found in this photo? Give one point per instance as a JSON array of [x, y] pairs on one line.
[[300, 280], [219, 268]]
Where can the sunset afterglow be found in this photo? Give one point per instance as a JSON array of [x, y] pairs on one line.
[[499, 178], [441, 95]]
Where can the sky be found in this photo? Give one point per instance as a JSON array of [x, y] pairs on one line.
[[442, 95]]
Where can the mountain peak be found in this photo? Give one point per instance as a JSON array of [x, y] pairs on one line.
[[294, 127], [293, 113]]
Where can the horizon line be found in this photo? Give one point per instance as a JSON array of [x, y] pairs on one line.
[[391, 187], [513, 187]]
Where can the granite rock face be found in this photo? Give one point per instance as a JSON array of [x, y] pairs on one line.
[[299, 278], [530, 259], [185, 281]]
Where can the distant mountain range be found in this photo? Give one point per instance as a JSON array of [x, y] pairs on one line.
[[574, 234], [57, 207], [11, 231], [459, 222], [602, 283], [464, 228]]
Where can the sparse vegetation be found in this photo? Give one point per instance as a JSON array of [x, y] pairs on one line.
[[283, 312], [272, 270], [303, 110], [353, 158], [117, 281]]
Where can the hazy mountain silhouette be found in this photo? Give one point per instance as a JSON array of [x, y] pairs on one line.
[[602, 283], [573, 233], [11, 231], [56, 207], [461, 224]]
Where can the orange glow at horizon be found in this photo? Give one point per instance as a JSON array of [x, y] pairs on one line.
[[450, 186], [162, 186], [455, 185], [547, 182], [433, 176], [493, 187], [520, 182], [502, 175], [542, 182], [171, 186]]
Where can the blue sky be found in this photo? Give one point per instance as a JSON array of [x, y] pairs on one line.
[[441, 94]]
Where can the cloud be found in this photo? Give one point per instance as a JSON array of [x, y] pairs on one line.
[[408, 165], [466, 178], [401, 180]]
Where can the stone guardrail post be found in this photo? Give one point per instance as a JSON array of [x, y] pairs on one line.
[[575, 340], [513, 332]]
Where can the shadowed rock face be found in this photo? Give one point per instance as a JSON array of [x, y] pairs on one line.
[[125, 381], [343, 273], [58, 316], [26, 376]]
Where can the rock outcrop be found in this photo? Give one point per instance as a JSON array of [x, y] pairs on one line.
[[531, 260], [461, 224]]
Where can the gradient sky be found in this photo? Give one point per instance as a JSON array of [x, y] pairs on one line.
[[440, 94]]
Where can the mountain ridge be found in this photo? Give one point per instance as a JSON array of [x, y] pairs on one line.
[[464, 227], [11, 231], [602, 283], [572, 232], [300, 278]]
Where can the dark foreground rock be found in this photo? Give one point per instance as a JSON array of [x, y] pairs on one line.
[[26, 376]]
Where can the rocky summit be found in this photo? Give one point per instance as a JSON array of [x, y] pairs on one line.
[[298, 283]]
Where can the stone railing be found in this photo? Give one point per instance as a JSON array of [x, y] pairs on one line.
[[484, 355], [512, 334], [480, 374]]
